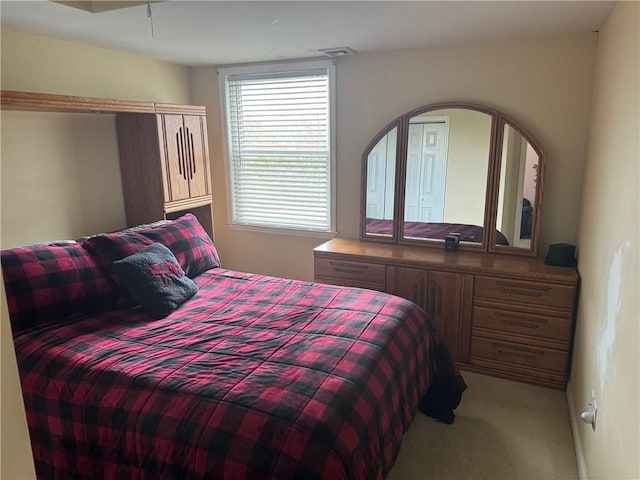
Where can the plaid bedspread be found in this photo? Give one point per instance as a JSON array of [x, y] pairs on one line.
[[253, 378]]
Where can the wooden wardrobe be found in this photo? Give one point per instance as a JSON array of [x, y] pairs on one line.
[[164, 160]]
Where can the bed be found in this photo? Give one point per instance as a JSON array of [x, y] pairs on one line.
[[252, 377], [432, 230]]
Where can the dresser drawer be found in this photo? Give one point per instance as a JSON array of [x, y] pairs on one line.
[[508, 321], [350, 283], [524, 292], [518, 354], [361, 272]]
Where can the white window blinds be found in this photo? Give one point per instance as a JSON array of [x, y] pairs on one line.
[[279, 149]]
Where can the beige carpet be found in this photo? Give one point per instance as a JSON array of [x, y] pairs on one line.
[[503, 430]]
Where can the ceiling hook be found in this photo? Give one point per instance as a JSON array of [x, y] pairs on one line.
[[150, 15]]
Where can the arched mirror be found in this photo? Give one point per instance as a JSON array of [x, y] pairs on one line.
[[453, 168], [446, 164], [380, 178]]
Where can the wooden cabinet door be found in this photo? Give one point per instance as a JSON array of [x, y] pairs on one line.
[[411, 283], [447, 298], [196, 151], [176, 157], [449, 301]]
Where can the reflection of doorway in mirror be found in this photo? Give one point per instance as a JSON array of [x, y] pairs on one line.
[[381, 173], [529, 196], [520, 203], [426, 171], [518, 178], [531, 174], [511, 185]]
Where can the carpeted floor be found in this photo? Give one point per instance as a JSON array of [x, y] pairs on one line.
[[503, 430]]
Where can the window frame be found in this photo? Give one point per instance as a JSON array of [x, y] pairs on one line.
[[280, 67]]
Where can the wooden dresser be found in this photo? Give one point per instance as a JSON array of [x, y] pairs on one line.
[[501, 315]]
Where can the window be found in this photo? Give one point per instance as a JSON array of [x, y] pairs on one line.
[[279, 145]]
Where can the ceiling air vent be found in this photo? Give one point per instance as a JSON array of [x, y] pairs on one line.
[[337, 51]]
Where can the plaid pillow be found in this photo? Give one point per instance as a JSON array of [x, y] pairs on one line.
[[107, 248], [48, 283], [185, 237], [188, 241]]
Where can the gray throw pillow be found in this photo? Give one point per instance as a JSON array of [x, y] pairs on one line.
[[155, 280]]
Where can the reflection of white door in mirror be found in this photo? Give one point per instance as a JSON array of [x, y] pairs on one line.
[[426, 171], [381, 171]]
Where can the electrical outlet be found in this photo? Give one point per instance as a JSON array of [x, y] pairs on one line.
[[591, 415]]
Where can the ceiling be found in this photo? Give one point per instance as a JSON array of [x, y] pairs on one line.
[[226, 32]]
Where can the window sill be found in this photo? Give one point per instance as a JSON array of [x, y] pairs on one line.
[[282, 231]]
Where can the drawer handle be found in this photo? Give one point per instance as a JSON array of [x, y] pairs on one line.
[[519, 289], [543, 288], [516, 350], [513, 320], [524, 293], [520, 323], [523, 356], [349, 270], [349, 265]]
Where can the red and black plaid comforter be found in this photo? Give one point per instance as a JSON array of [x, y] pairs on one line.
[[254, 377]]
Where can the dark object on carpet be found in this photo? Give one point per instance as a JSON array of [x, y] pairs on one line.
[[446, 390]]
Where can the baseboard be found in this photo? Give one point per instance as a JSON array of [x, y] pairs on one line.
[[573, 417]]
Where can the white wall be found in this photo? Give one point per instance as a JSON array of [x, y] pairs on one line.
[[41, 64], [544, 83], [16, 461], [60, 177], [605, 356]]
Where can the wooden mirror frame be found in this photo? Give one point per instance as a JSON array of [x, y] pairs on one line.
[[498, 122], [504, 120]]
